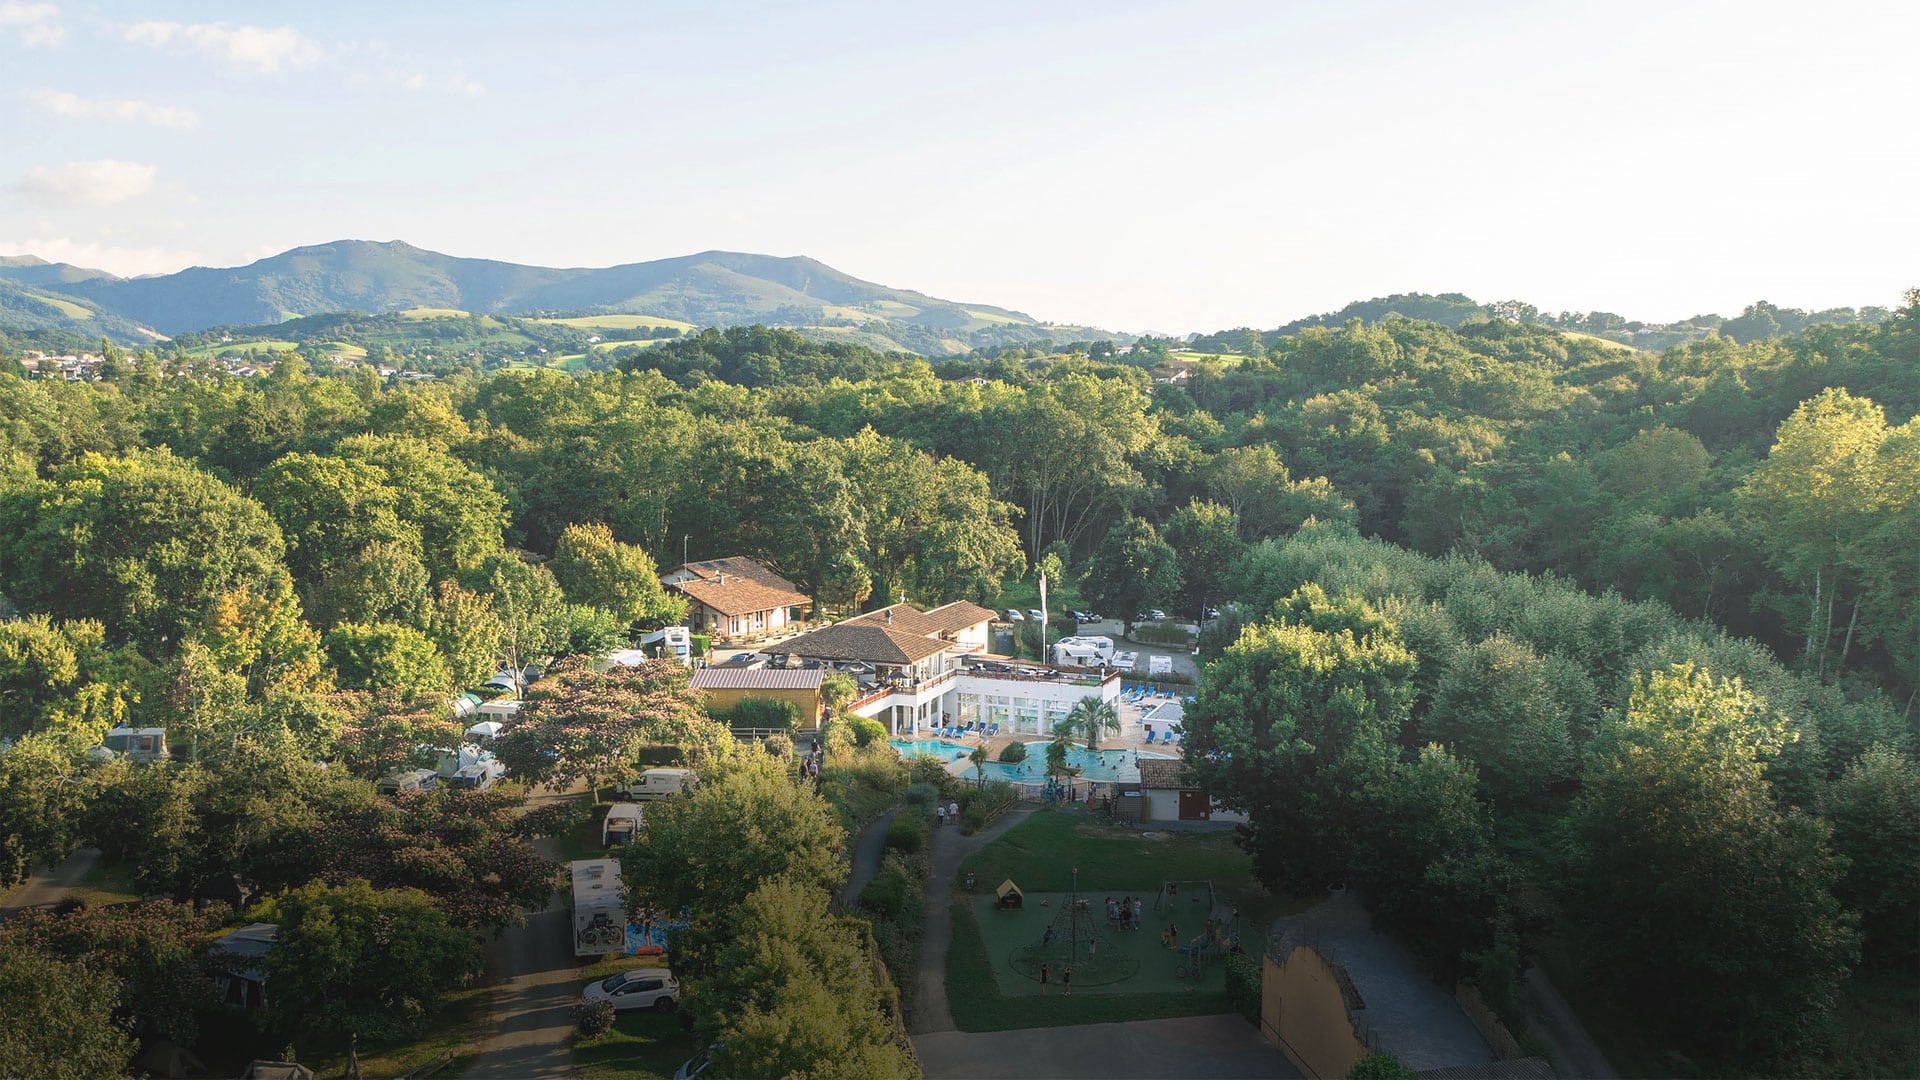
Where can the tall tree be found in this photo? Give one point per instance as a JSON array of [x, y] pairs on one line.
[[1091, 717], [1206, 536], [1742, 949], [577, 723], [1131, 569], [1287, 728], [595, 569], [1875, 810], [60, 1020]]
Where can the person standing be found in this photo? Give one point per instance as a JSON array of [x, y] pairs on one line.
[[953, 811], [1066, 980], [939, 816], [1043, 980], [1137, 910]]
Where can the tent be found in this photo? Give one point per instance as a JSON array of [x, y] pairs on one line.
[[1010, 895], [486, 729]]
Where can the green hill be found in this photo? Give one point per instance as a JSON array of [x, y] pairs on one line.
[[714, 288]]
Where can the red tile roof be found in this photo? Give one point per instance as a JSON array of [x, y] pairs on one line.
[[741, 596], [866, 641]]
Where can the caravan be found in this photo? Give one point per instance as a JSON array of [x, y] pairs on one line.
[[1083, 651], [599, 908]]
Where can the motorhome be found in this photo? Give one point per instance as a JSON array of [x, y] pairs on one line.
[[657, 784], [622, 824], [1159, 665], [478, 776], [407, 780], [599, 908], [1083, 651]]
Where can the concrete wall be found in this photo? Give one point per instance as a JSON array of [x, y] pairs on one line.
[[1163, 804], [1306, 1009]]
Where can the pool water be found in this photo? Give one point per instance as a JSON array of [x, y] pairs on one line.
[[1120, 766], [940, 748]]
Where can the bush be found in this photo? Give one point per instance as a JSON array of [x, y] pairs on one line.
[[922, 795], [756, 712], [904, 834], [867, 731], [1379, 1065], [778, 745], [1014, 753], [887, 894], [593, 1018], [1243, 986], [973, 819], [699, 644], [923, 769], [1162, 633]]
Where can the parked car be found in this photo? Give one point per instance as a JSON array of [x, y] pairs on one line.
[[696, 1066], [1094, 616], [478, 776], [1156, 614], [641, 988], [1013, 615], [1036, 615], [407, 780], [1211, 613]]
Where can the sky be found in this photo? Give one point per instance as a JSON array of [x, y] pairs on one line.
[[1165, 167]]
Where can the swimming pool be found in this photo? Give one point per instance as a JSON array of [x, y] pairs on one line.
[[940, 748], [1107, 766]]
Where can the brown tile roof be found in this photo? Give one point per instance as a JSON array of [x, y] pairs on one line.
[[861, 641], [737, 566], [1164, 775], [741, 596], [959, 615], [901, 617], [731, 678]]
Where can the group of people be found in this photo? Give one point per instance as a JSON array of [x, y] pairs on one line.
[[1124, 914], [942, 813]]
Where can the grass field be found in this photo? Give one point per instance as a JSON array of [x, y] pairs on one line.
[[1038, 854], [1608, 342], [641, 1046], [419, 313], [248, 348], [65, 307], [617, 322], [458, 1027], [1153, 965], [1228, 359]]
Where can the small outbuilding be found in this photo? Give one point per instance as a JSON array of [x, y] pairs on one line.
[[1008, 896]]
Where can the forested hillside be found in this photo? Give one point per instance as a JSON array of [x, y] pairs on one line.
[[1525, 589]]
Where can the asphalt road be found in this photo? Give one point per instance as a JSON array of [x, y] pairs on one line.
[[1187, 1047], [51, 887]]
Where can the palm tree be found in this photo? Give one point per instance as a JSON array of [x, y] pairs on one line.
[[1092, 716], [979, 759]]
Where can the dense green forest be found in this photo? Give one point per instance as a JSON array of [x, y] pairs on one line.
[[1602, 650]]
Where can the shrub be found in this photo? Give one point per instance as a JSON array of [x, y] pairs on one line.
[[1243, 986], [922, 794], [756, 712], [593, 1018], [1379, 1065], [699, 644], [867, 731], [923, 769], [1014, 753], [1162, 633], [886, 895], [904, 833], [973, 819], [778, 745]]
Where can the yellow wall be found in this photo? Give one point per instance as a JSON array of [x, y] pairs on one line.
[[807, 701], [1304, 1011]]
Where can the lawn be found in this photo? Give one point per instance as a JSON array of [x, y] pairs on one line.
[[617, 322], [1024, 593], [102, 885], [458, 1027], [1039, 854], [643, 1045], [1189, 356]]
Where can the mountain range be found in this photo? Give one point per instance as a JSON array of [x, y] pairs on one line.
[[713, 288]]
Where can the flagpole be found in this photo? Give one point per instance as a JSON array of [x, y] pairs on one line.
[[1043, 616]]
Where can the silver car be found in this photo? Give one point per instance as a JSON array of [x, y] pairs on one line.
[[641, 988]]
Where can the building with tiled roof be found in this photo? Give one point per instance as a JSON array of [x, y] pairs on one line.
[[725, 686], [736, 598]]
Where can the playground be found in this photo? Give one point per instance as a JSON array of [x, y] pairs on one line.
[[1062, 928]]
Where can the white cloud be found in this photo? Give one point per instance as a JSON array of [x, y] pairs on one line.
[[262, 50], [460, 84], [453, 84], [115, 259], [37, 24], [87, 183], [124, 110]]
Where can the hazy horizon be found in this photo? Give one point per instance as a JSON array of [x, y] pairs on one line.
[[1131, 168]]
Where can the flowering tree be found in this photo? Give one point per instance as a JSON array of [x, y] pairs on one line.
[[583, 724]]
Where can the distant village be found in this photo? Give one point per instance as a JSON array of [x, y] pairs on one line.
[[85, 367]]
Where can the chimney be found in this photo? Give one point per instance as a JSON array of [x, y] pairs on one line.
[[888, 616], [721, 578]]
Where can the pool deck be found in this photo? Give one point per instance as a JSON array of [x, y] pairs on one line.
[[1161, 712]]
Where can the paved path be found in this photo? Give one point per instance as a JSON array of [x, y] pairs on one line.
[[1414, 1017], [1191, 1046], [867, 852], [536, 985], [930, 1011], [51, 887], [1548, 1018]]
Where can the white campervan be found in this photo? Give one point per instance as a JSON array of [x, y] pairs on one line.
[[657, 784], [1083, 651]]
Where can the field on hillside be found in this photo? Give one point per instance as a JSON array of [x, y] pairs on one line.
[[617, 322]]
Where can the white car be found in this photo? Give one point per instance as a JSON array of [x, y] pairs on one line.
[[1013, 615], [641, 988], [1036, 615]]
